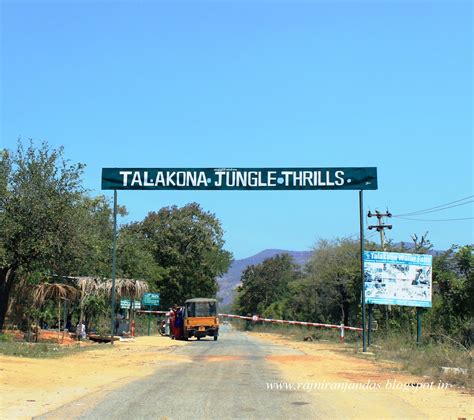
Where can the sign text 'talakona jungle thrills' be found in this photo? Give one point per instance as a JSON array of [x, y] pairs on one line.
[[239, 178]]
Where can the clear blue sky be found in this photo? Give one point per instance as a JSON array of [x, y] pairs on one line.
[[255, 84]]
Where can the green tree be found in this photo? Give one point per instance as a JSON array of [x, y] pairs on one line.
[[39, 219], [187, 243], [135, 260], [334, 272], [453, 294], [265, 285], [94, 238]]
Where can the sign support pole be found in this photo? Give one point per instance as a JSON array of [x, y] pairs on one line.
[[369, 328], [361, 224], [114, 257], [418, 325], [149, 319]]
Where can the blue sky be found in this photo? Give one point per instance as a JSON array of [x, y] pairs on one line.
[[255, 84]]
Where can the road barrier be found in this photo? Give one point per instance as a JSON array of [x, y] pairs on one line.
[[256, 318], [142, 311]]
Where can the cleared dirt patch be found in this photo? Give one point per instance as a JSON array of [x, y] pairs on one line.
[[30, 387]]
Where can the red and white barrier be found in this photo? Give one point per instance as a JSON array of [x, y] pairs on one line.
[[255, 318], [143, 311]]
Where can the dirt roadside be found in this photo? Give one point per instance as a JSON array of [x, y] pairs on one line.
[[373, 390], [30, 387]]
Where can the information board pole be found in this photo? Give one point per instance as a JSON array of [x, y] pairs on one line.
[[418, 325], [361, 223], [114, 255], [369, 328]]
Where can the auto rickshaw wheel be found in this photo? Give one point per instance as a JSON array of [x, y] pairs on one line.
[[198, 338], [215, 338]]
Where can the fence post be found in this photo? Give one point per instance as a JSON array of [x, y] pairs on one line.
[[341, 337]]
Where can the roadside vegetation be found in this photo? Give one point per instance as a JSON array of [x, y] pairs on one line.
[[11, 346], [327, 290], [56, 248]]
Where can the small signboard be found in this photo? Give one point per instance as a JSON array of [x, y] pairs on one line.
[[151, 299], [393, 278], [126, 304]]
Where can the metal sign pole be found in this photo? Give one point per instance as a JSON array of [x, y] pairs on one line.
[[418, 325], [149, 319], [114, 256], [369, 327], [361, 223]]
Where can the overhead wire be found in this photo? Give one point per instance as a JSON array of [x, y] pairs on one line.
[[437, 220], [438, 208], [434, 211]]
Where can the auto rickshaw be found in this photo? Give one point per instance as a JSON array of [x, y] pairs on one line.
[[200, 318]]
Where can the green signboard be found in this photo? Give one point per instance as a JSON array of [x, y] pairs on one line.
[[126, 304], [239, 178], [151, 299]]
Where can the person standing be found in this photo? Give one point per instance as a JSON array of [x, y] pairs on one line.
[[172, 322], [179, 324], [81, 331], [118, 319]]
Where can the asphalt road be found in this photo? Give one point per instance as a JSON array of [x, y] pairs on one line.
[[224, 379]]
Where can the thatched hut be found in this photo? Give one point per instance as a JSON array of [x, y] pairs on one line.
[[54, 291]]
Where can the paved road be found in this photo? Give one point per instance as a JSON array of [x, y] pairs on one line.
[[224, 379]]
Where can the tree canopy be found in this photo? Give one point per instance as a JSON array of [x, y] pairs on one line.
[[329, 286], [263, 285], [187, 243], [40, 223]]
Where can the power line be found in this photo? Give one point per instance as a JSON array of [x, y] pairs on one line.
[[437, 207], [434, 211], [436, 220], [367, 236]]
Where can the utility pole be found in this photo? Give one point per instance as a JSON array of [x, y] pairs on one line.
[[380, 228]]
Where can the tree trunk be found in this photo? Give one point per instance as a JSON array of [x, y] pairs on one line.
[[7, 279], [346, 313]]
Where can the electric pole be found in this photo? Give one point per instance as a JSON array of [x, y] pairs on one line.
[[380, 226]]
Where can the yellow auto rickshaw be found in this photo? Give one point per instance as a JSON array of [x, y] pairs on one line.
[[200, 318]]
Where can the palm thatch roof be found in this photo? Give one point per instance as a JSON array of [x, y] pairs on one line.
[[54, 291], [85, 286], [125, 287]]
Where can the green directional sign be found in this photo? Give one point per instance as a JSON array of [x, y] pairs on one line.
[[151, 299], [341, 178], [127, 304]]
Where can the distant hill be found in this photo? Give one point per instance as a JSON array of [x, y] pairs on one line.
[[230, 280]]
